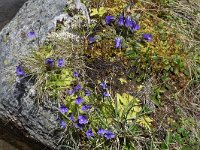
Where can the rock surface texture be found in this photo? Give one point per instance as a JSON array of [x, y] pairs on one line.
[[8, 9], [23, 123]]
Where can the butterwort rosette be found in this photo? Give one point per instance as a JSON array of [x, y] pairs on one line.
[[109, 19]]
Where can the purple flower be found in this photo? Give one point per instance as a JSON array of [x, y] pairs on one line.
[[75, 74], [71, 92], [82, 119], [78, 125], [86, 107], [91, 40], [31, 35], [118, 42], [49, 62], [20, 71], [103, 85], [87, 92], [71, 117], [77, 88], [100, 131], [61, 62], [63, 109], [89, 133], [106, 94], [63, 124], [121, 20], [109, 19], [79, 100], [147, 37], [135, 26], [58, 119], [128, 22], [109, 135]]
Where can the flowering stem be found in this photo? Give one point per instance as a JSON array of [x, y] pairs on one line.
[[115, 108]]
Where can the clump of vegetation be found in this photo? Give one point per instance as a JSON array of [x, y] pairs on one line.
[[99, 82]]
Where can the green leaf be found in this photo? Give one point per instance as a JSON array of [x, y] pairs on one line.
[[127, 106], [98, 11], [123, 81], [156, 101]]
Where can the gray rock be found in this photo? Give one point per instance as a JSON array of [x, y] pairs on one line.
[[27, 125], [35, 15], [8, 9]]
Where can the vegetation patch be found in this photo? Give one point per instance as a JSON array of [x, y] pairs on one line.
[[132, 82]]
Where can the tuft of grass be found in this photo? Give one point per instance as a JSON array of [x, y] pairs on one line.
[[46, 78]]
